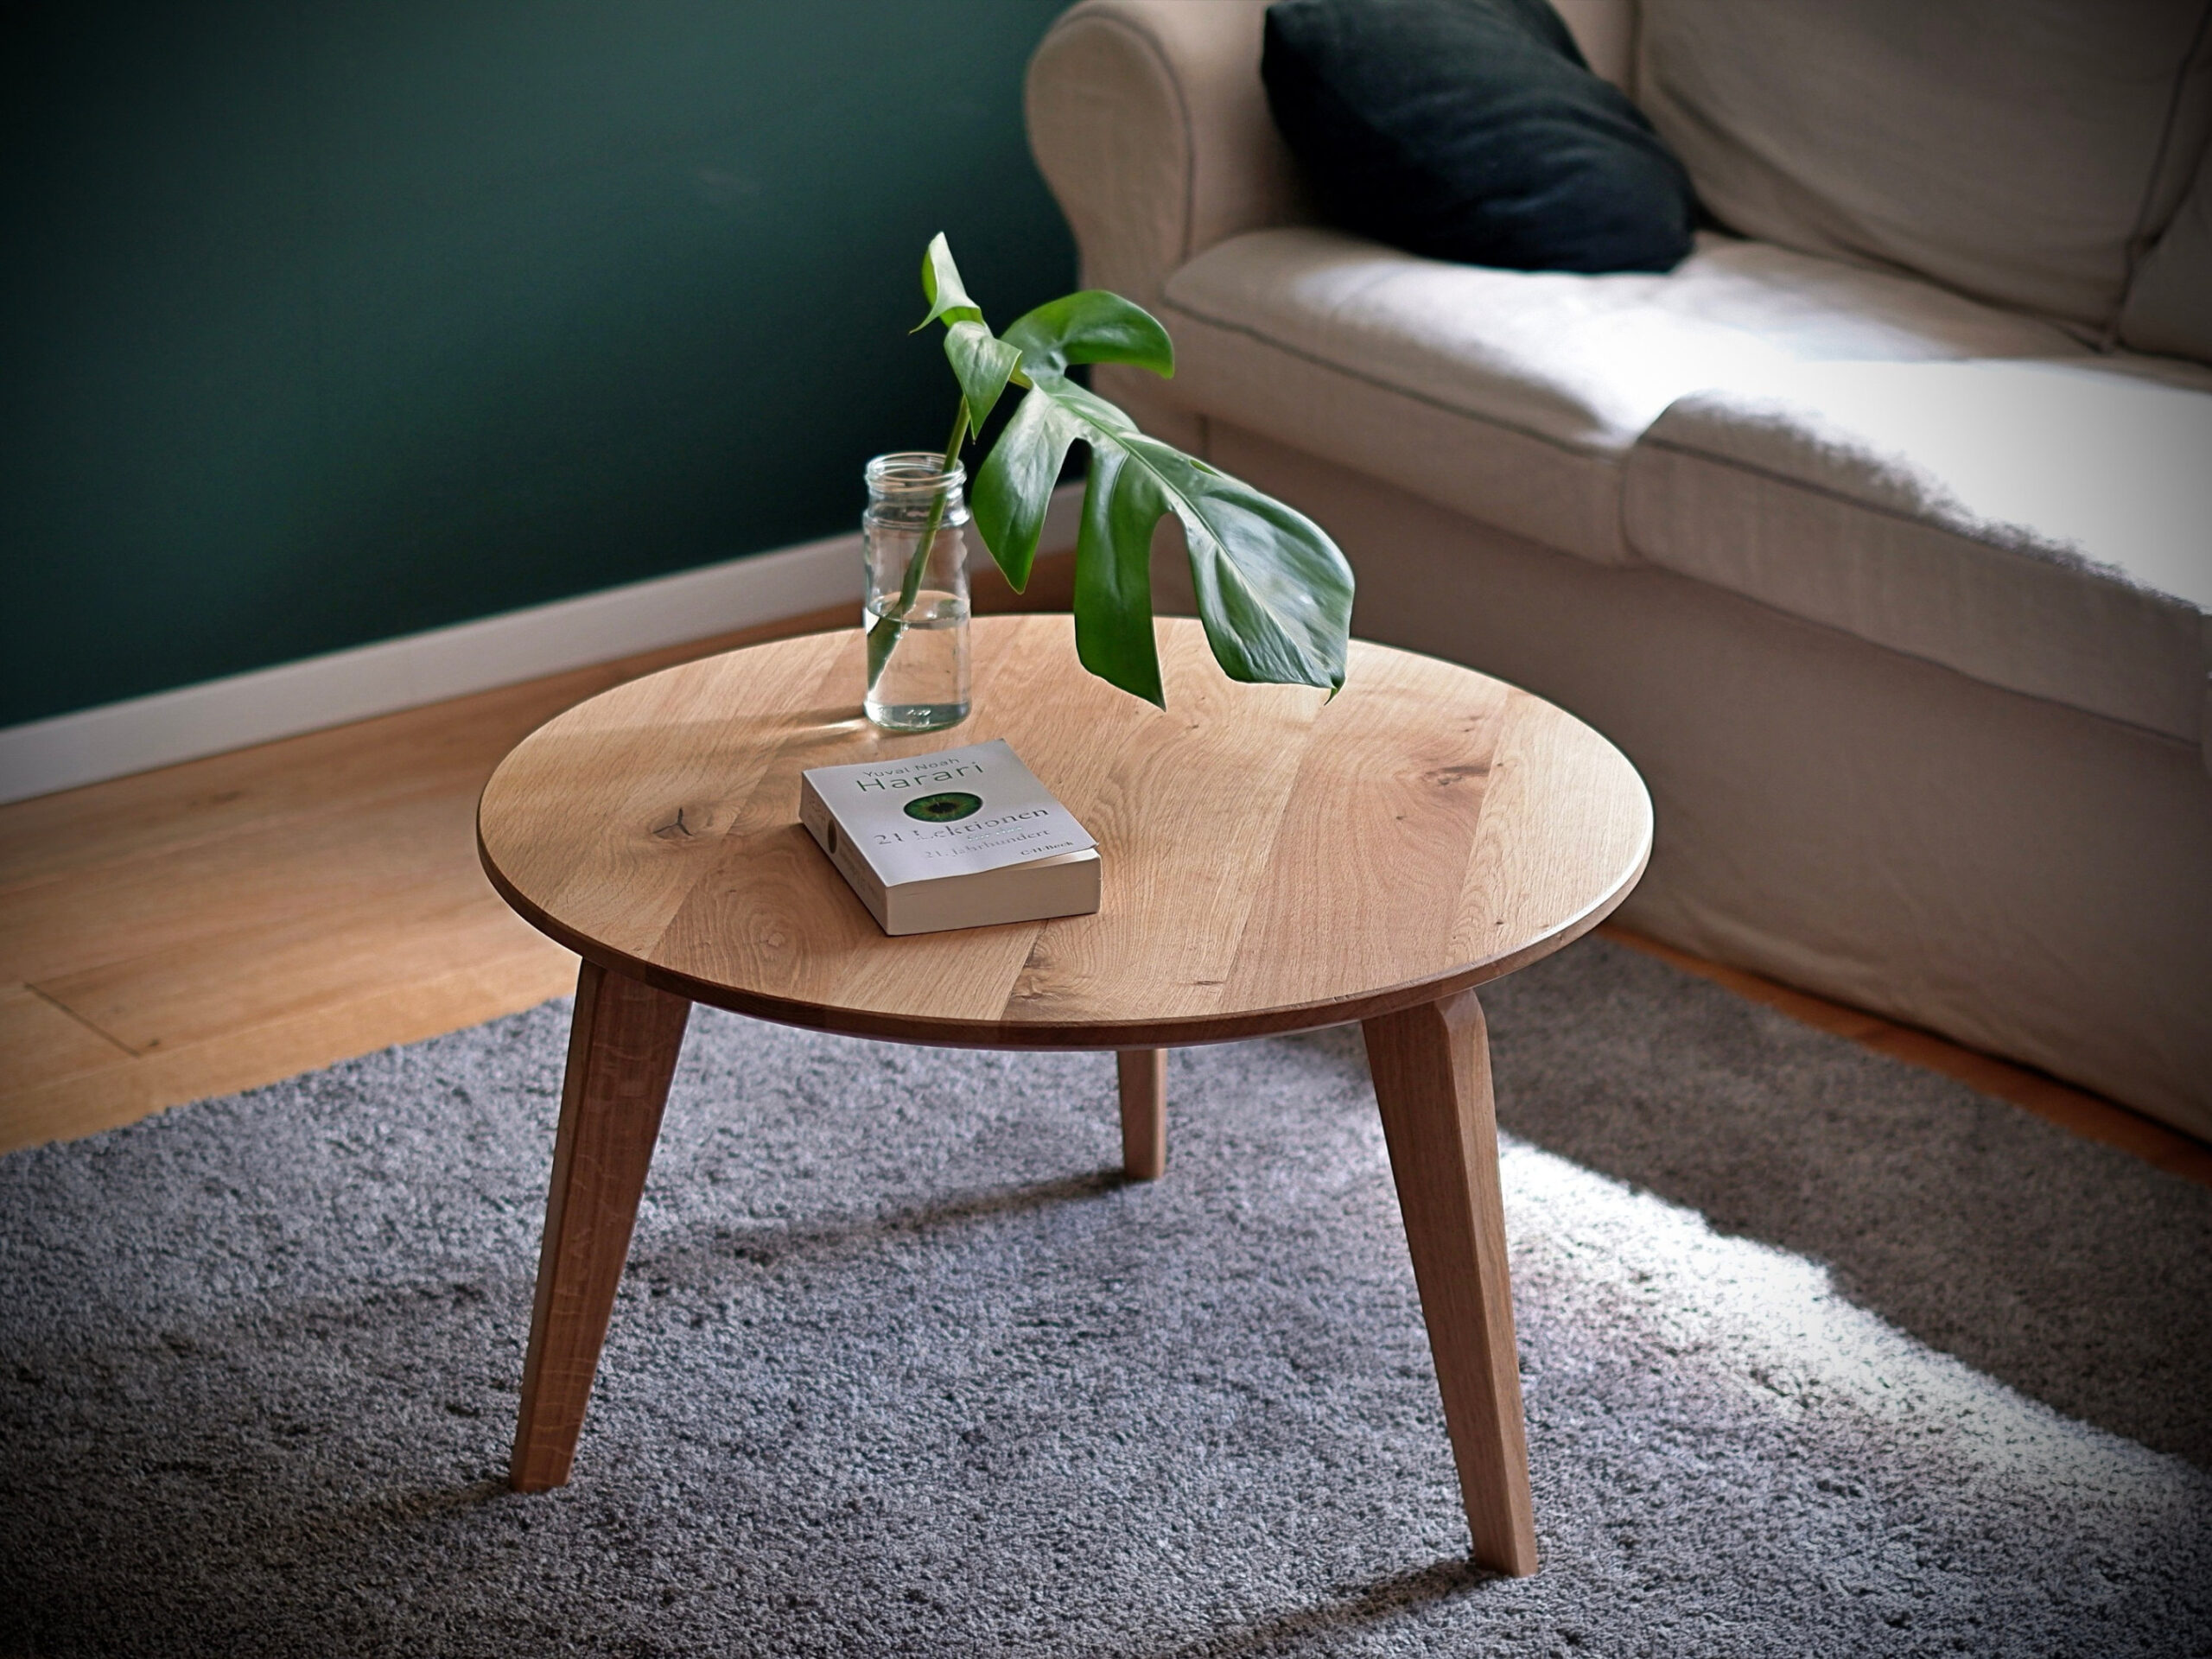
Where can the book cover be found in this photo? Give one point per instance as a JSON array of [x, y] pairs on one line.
[[961, 838]]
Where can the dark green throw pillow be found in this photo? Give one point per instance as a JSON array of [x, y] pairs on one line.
[[1472, 130]]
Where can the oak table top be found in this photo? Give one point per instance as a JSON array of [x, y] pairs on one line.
[[1273, 860]]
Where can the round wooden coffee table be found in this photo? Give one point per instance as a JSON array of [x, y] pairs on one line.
[[1273, 862]]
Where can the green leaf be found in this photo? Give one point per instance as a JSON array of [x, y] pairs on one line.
[[941, 287], [1274, 592], [982, 363], [1015, 485], [1113, 581], [1091, 326]]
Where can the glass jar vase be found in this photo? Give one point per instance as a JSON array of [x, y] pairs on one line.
[[915, 609]]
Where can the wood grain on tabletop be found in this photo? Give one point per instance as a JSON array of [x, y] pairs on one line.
[[1274, 860]]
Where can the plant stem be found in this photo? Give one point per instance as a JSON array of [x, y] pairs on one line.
[[883, 633]]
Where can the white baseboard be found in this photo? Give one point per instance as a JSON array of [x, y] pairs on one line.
[[92, 745]]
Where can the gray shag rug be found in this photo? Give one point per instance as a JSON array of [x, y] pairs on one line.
[[1823, 1355]]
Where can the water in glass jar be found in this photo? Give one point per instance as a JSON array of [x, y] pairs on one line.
[[923, 686]]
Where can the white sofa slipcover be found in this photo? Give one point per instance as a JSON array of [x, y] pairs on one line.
[[1894, 585], [1515, 396]]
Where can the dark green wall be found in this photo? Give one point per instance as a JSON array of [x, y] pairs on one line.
[[324, 321]]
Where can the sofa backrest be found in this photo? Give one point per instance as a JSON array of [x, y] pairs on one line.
[[2169, 306], [2012, 149], [1606, 31]]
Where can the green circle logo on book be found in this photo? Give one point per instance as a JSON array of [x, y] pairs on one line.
[[944, 809]]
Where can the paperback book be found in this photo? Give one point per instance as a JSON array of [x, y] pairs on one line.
[[964, 838]]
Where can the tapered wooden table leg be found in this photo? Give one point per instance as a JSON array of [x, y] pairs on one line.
[[1144, 1112], [1432, 1080], [622, 1048]]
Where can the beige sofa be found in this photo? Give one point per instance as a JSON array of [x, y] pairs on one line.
[[1881, 540]]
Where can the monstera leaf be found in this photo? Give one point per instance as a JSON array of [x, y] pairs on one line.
[[1274, 594]]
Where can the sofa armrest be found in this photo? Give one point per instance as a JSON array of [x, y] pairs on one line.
[[1149, 123]]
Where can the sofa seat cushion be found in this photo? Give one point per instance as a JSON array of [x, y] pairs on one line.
[[2040, 525], [1515, 395]]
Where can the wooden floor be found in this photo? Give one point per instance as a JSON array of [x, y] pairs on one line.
[[223, 923]]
